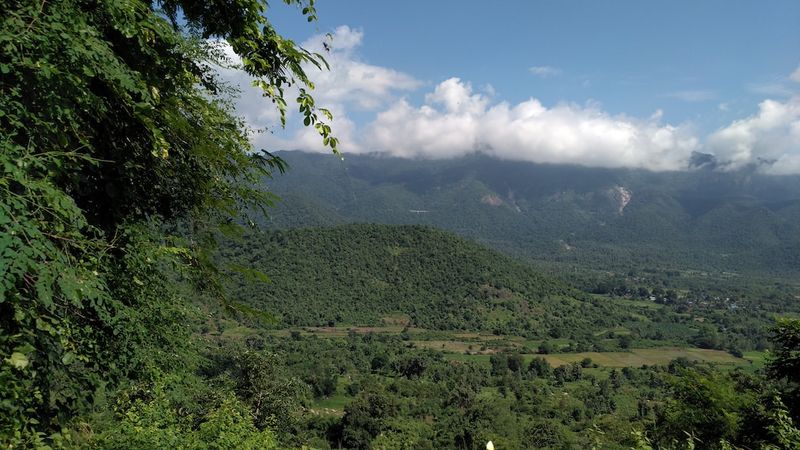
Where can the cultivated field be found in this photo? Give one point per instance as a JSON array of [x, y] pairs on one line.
[[465, 346], [632, 358]]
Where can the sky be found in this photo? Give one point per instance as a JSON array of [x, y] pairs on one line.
[[599, 83]]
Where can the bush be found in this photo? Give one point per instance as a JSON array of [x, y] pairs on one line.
[[157, 423]]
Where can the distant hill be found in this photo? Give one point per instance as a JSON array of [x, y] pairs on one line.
[[367, 274], [609, 219]]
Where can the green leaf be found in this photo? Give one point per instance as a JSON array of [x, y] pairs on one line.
[[18, 360], [68, 358]]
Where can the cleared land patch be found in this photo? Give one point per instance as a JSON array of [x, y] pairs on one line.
[[632, 358], [645, 356]]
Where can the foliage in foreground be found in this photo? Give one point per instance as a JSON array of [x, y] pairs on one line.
[[374, 391], [156, 423], [113, 130]]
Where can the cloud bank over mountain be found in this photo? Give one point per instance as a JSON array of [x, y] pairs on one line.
[[769, 139], [452, 120]]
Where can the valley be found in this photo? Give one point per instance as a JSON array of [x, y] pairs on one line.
[[411, 330], [361, 225]]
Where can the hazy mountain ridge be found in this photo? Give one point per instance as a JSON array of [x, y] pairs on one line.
[[604, 218]]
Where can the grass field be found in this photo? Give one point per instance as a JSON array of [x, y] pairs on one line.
[[481, 346], [632, 358], [341, 331], [466, 346], [648, 356], [333, 405]]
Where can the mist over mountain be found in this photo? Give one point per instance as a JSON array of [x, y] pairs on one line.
[[609, 219]]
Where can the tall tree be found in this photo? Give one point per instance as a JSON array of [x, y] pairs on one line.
[[114, 125]]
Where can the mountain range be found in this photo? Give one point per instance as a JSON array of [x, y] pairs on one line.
[[559, 215]]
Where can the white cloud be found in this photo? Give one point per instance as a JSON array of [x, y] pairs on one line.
[[351, 81], [257, 111], [770, 139], [545, 71], [455, 121], [307, 138], [457, 97], [350, 84]]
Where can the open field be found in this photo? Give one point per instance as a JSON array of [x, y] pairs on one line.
[[645, 356], [344, 331], [487, 347], [632, 358], [331, 406], [466, 346], [341, 331]]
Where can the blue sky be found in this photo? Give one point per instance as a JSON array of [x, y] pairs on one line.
[[684, 57], [692, 70]]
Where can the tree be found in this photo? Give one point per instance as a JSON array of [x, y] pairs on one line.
[[365, 417], [115, 128], [157, 423], [706, 337], [515, 362], [785, 364], [625, 341], [542, 433], [539, 367], [707, 407], [274, 397], [499, 363]]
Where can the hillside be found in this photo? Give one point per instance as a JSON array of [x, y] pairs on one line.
[[597, 218], [370, 274]]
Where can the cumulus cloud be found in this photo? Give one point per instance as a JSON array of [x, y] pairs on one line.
[[455, 121], [350, 84], [250, 103], [351, 81], [544, 71], [769, 139]]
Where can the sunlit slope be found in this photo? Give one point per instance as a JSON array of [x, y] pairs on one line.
[[362, 274]]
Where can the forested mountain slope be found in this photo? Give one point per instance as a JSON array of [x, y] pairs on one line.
[[361, 274], [591, 217]]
